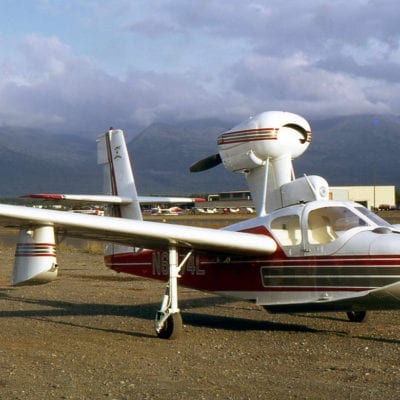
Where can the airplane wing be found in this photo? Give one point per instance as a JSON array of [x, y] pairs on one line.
[[152, 235], [88, 198]]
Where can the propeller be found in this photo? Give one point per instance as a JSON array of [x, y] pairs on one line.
[[206, 163], [291, 134]]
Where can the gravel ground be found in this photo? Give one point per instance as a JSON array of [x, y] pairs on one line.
[[89, 335]]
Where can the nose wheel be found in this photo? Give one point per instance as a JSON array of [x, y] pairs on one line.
[[171, 327], [168, 321]]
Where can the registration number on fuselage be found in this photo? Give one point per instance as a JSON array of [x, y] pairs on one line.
[[160, 264]]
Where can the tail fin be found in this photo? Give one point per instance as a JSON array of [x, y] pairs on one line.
[[112, 153]]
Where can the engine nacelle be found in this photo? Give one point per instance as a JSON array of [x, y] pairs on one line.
[[267, 136], [263, 148], [35, 256]]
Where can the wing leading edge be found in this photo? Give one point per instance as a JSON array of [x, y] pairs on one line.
[[152, 235]]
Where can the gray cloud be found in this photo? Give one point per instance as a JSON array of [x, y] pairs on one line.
[[323, 56], [234, 59]]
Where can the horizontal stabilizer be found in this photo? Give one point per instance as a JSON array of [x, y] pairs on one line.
[[80, 198], [106, 199]]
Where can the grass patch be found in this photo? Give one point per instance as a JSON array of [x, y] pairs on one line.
[[66, 248], [95, 248]]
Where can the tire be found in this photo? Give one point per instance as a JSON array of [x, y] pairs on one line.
[[356, 316], [172, 327]]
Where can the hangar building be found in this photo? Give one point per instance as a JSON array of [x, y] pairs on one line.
[[369, 196]]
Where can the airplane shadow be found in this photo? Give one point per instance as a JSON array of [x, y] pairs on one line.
[[59, 308], [147, 311], [326, 317], [241, 324]]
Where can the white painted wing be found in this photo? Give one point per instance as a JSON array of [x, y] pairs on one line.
[[153, 235]]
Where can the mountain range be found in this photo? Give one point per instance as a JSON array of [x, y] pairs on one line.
[[351, 150]]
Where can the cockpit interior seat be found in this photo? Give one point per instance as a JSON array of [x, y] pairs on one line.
[[319, 230]]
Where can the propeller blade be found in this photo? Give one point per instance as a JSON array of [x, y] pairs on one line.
[[206, 163]]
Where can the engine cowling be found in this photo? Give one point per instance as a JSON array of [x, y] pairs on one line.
[[262, 148], [267, 136]]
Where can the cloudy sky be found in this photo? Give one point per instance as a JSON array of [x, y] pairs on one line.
[[83, 65]]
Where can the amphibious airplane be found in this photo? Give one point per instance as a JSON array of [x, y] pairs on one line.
[[302, 252]]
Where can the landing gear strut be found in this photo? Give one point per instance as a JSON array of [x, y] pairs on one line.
[[168, 321]]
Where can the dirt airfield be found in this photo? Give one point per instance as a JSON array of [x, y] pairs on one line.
[[89, 335]]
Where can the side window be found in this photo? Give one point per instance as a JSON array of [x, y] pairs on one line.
[[327, 223], [287, 230], [320, 230]]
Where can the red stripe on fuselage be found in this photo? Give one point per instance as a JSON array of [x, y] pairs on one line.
[[240, 274], [247, 274]]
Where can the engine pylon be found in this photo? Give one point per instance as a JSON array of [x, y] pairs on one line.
[[35, 256]]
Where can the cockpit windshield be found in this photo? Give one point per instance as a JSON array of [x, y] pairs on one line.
[[372, 216]]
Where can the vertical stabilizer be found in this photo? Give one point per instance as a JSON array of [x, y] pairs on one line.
[[112, 154]]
